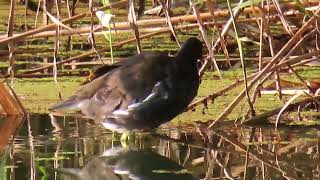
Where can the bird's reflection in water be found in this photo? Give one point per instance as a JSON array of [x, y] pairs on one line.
[[129, 163]]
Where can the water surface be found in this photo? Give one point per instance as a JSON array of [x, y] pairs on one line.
[[44, 147]]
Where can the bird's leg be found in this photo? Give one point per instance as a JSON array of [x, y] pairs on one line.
[[127, 137], [124, 137], [124, 140], [113, 138], [124, 144], [131, 136]]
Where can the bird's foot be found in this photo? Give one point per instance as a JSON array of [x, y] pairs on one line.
[[127, 138]]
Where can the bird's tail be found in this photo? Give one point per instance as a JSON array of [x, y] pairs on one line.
[[69, 104]]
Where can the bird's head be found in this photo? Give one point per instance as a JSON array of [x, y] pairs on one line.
[[191, 49]]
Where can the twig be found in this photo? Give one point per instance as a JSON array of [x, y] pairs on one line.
[[222, 41], [228, 25], [300, 78], [218, 93], [285, 107], [11, 45], [266, 159], [248, 154], [205, 38], [242, 59], [133, 24], [169, 22]]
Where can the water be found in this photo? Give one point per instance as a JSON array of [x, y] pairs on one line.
[[73, 148], [40, 147]]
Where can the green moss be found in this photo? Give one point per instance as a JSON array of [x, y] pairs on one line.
[[38, 93], [306, 123]]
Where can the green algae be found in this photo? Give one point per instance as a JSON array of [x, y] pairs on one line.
[[37, 94]]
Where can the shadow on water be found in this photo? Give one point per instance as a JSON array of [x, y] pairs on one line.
[[40, 147]]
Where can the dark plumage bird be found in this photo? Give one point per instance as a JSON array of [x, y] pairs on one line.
[[136, 163], [142, 91]]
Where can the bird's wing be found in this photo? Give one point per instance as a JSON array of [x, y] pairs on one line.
[[84, 93], [102, 103], [102, 70], [132, 82], [157, 97]]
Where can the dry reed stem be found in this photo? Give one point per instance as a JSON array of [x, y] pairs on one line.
[[228, 25], [261, 118], [271, 45], [242, 59], [9, 103], [133, 24], [142, 23], [56, 43], [266, 159], [218, 93], [305, 62], [291, 62], [66, 21], [168, 21], [283, 20], [276, 59], [299, 77], [146, 29], [205, 38], [8, 129], [285, 106], [285, 64], [59, 63], [192, 18], [104, 49], [42, 75], [254, 96], [11, 45], [222, 40]]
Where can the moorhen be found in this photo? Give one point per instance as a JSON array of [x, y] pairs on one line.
[[142, 91], [119, 163]]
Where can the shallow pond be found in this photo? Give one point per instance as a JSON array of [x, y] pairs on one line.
[[57, 147], [44, 146]]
